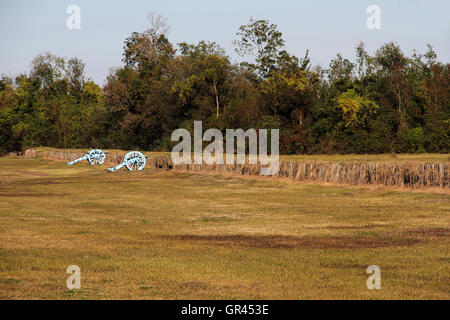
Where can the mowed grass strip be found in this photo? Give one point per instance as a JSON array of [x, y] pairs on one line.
[[166, 235]]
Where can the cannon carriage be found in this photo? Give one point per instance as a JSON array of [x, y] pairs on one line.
[[94, 156]]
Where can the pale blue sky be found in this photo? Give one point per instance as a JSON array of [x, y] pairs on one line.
[[30, 27]]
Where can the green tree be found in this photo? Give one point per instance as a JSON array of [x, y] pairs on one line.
[[355, 109], [263, 42], [208, 72]]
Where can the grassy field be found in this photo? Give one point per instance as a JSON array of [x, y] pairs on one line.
[[167, 235], [412, 158]]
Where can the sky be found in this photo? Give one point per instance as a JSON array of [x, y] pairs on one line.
[[325, 27]]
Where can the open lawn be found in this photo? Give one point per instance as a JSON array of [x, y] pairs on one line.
[[171, 235]]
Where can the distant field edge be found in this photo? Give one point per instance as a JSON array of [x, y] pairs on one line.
[[404, 170]]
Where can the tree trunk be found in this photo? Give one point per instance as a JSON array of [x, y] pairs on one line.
[[217, 99]]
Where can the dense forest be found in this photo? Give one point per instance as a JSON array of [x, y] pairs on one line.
[[380, 103]]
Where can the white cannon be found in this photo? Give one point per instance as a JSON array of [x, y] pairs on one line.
[[95, 157], [133, 161]]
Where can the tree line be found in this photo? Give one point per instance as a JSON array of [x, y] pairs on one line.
[[380, 103]]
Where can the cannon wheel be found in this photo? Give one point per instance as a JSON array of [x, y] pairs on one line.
[[96, 157], [134, 161]]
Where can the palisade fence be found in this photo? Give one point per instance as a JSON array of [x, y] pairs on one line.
[[413, 174]]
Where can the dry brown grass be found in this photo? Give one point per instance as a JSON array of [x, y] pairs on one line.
[[171, 235]]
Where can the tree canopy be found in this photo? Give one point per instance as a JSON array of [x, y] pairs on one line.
[[381, 102]]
